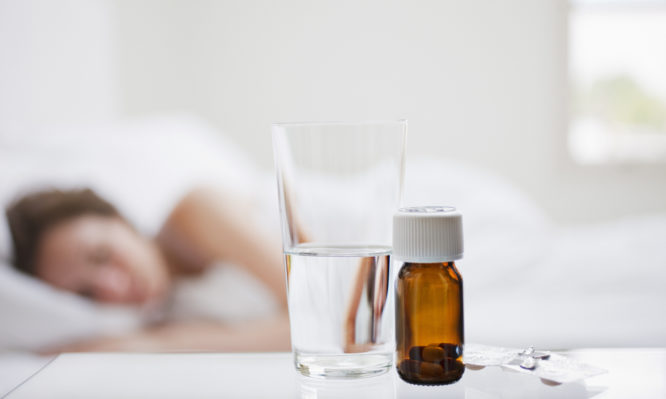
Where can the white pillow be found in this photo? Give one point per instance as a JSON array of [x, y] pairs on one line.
[[37, 317]]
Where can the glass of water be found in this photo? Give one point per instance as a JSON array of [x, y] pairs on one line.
[[339, 185]]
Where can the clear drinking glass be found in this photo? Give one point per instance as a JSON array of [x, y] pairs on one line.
[[339, 185]]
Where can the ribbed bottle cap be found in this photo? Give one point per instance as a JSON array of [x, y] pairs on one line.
[[427, 234]]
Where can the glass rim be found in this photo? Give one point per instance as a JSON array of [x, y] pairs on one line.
[[402, 121]]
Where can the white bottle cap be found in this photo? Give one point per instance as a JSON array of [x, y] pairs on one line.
[[427, 234]]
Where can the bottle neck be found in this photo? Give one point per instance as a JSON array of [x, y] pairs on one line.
[[430, 264]]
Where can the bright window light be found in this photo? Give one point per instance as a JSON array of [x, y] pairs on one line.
[[617, 65]]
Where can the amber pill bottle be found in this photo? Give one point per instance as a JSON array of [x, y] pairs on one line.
[[429, 295]]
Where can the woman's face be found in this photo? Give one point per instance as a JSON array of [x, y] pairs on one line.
[[102, 258]]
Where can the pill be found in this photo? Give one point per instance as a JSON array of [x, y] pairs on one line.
[[415, 353], [432, 353], [451, 350], [451, 365], [431, 369], [409, 367]]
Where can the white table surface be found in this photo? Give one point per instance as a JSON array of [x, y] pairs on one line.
[[632, 373]]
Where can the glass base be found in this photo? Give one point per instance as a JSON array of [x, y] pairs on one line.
[[343, 366]]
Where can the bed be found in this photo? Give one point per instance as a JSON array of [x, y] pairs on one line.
[[528, 281]]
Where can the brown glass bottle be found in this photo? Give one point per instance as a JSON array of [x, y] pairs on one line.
[[429, 323]]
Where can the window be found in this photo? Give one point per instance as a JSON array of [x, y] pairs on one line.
[[618, 81]]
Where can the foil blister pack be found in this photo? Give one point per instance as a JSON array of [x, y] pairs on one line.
[[552, 368]]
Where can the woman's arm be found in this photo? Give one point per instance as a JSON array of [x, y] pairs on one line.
[[209, 225], [261, 335]]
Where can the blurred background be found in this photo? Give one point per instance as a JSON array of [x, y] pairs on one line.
[[523, 88], [546, 121]]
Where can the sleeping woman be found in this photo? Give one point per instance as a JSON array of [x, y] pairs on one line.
[[77, 241]]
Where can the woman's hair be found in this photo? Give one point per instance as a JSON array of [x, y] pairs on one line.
[[32, 215]]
